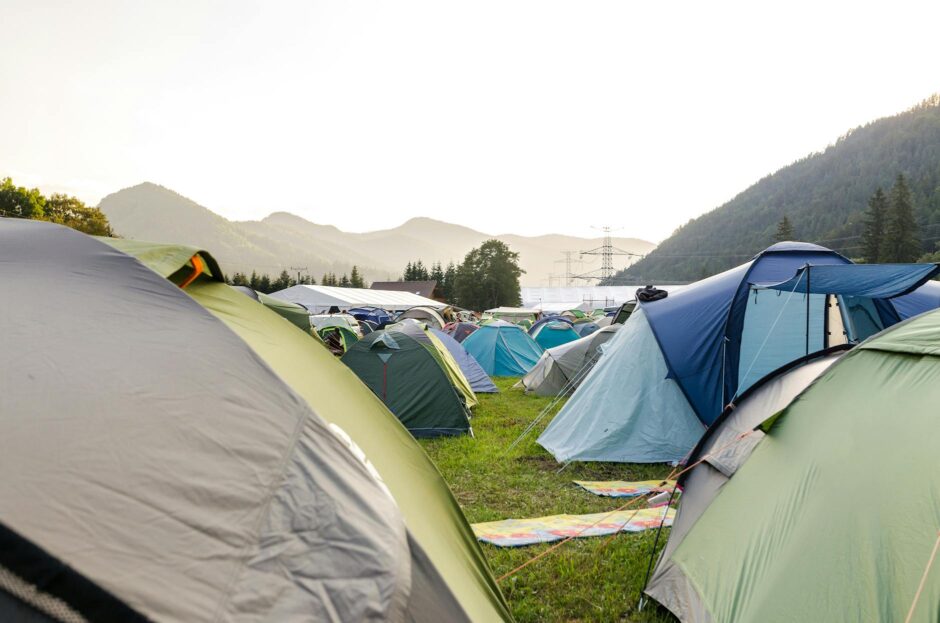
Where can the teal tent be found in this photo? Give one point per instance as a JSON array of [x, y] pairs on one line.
[[503, 349], [554, 333]]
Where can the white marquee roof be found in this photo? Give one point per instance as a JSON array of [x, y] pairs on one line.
[[320, 298]]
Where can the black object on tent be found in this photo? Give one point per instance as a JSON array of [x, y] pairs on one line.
[[649, 294]]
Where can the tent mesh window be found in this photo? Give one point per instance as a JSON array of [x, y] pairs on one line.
[[45, 603]]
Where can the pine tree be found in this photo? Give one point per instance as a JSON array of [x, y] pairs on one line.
[[901, 240], [784, 230], [873, 238], [325, 279], [450, 281], [355, 278], [344, 281]]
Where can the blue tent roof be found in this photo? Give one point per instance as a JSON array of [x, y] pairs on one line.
[[480, 383], [503, 349], [699, 327], [874, 281], [924, 298]]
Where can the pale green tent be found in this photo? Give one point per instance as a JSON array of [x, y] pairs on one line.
[[830, 511]]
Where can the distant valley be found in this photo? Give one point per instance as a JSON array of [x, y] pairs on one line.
[[284, 241]]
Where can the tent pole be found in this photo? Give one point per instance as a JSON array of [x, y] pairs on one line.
[[649, 567], [807, 306]]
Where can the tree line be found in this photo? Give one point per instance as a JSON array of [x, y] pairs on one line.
[[891, 233], [264, 283], [487, 277], [29, 203]]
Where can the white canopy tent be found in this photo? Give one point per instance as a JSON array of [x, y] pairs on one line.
[[320, 299]]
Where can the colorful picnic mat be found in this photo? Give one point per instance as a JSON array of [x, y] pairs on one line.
[[517, 532], [624, 489]]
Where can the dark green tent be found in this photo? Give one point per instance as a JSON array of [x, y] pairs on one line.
[[410, 379]]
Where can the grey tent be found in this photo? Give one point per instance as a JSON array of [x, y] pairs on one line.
[[152, 459], [564, 367], [724, 448]]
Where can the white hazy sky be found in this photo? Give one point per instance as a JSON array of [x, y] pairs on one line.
[[490, 114]]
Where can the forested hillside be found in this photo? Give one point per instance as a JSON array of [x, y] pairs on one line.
[[823, 196]]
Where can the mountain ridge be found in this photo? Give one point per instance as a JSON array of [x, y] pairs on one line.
[[286, 241]]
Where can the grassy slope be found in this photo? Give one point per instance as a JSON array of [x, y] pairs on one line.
[[582, 580]]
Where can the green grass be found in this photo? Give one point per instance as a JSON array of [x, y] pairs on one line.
[[591, 579]]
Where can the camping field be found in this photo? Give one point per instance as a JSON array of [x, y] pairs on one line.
[[590, 579]]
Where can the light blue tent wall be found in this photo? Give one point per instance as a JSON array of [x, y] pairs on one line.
[[479, 381], [555, 333], [774, 332], [503, 349], [627, 408]]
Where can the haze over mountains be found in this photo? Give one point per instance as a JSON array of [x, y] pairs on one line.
[[824, 196], [286, 241]]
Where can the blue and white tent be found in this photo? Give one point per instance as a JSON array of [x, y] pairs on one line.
[[678, 361]]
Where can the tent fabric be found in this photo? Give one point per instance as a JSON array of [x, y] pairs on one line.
[[424, 314], [479, 381], [565, 367], [547, 319], [755, 556], [411, 380], [149, 448], [421, 332], [924, 298], [503, 349], [295, 314], [699, 326], [319, 299], [553, 334], [378, 316], [584, 329], [337, 338], [874, 281], [627, 409], [460, 330], [430, 510], [724, 451]]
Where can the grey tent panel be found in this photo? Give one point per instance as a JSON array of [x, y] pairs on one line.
[[563, 367], [144, 444], [724, 450]]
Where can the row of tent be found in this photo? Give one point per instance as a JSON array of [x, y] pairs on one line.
[[173, 450], [800, 390]]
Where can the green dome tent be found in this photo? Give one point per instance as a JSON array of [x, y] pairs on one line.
[[337, 338], [410, 377], [833, 513], [433, 516], [149, 453]]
